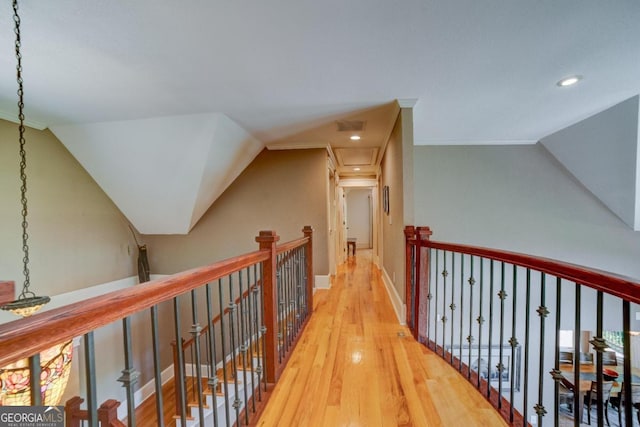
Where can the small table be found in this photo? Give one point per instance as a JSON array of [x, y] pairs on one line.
[[584, 384], [351, 243]]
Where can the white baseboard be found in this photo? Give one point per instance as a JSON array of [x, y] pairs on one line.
[[323, 281], [398, 306]]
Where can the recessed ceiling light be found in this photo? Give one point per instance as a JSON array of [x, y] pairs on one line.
[[356, 169], [569, 81], [355, 137]]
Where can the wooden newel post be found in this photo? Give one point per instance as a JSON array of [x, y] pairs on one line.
[[422, 283], [409, 235], [268, 240], [308, 232]]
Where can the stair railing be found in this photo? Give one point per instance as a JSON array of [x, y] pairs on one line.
[[523, 329], [257, 302]]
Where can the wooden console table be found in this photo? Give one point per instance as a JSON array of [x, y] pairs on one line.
[[351, 243]]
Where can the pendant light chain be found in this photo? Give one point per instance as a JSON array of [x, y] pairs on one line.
[[23, 157]]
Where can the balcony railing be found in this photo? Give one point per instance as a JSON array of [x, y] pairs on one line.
[[500, 318], [237, 321]]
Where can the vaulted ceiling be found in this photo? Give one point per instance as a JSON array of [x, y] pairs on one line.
[[106, 76]]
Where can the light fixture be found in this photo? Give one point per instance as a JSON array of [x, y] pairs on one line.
[[356, 169], [55, 362], [569, 81], [355, 137]]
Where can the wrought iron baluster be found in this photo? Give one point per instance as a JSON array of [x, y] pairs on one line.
[[35, 372], [234, 347], [599, 346], [255, 294], [251, 332], [195, 333], [543, 312], [211, 334], [427, 315], [452, 305], [500, 367], [514, 341], [280, 299], [263, 328], [436, 272], [461, 310], [90, 372], [525, 398], [445, 273], [225, 382], [157, 365], [491, 276], [129, 375], [243, 345], [182, 392], [480, 319], [576, 354], [471, 282], [555, 373], [626, 344]]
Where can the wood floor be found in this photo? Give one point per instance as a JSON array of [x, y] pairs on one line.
[[356, 366]]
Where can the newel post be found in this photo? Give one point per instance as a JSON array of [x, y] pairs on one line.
[[268, 240], [409, 235], [308, 232], [422, 283]]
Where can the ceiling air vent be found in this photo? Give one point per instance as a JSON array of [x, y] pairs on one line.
[[351, 125]]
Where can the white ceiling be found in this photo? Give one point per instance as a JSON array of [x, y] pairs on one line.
[[482, 71]]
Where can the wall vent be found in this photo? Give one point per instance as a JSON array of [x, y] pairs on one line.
[[351, 125]]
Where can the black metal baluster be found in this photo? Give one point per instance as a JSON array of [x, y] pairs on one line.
[[513, 341], [35, 372], [436, 273], [411, 298], [225, 382], [599, 345], [280, 299], [195, 333], [211, 333], [429, 295], [500, 367], [555, 373], [251, 333], [234, 347], [527, 330], [129, 375], [491, 276], [576, 357], [90, 372], [243, 346], [471, 282], [445, 273], [263, 328], [461, 310], [452, 305], [156, 365], [255, 292], [626, 343], [480, 319], [543, 312], [182, 392]]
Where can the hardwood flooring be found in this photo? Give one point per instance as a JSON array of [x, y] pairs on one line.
[[356, 366]]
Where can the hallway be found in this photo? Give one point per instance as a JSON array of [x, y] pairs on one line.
[[356, 366]]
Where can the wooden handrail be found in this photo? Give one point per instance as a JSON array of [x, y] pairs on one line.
[[284, 247], [610, 283], [25, 337]]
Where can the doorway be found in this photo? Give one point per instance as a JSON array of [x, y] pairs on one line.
[[359, 214]]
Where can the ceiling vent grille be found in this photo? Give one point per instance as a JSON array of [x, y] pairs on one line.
[[351, 125]]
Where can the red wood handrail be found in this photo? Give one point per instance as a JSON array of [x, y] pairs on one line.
[[610, 283], [24, 337]]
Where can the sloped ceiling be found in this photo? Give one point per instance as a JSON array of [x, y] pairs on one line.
[[162, 173], [483, 72], [602, 152]]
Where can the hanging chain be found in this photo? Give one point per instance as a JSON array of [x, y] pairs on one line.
[[23, 157]]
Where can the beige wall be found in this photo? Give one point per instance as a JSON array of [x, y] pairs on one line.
[[393, 224], [280, 190], [77, 236]]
